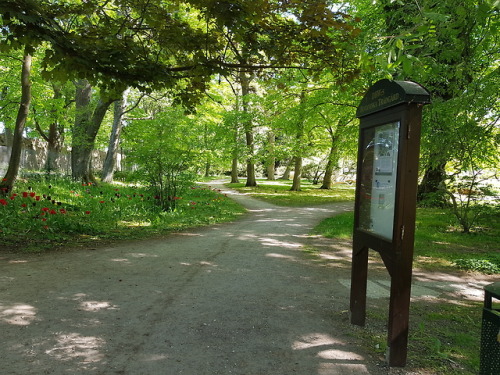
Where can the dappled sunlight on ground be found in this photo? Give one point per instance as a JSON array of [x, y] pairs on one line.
[[143, 255], [334, 253], [314, 340], [278, 243], [258, 296], [189, 234], [340, 359], [73, 346], [154, 357], [120, 260], [380, 288], [274, 220], [97, 305], [19, 314], [339, 354], [281, 256]]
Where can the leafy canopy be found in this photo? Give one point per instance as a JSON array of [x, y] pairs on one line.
[[155, 44]]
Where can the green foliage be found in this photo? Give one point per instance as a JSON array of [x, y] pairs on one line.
[[46, 212], [470, 199], [10, 88], [99, 40], [479, 265], [164, 150], [438, 243], [452, 49]]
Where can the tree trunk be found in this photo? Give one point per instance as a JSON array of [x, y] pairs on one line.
[[327, 178], [55, 138], [245, 90], [8, 181], [330, 165], [108, 167], [87, 124], [297, 174], [431, 186], [298, 147], [271, 160], [235, 151], [234, 171], [54, 146], [251, 180], [288, 169], [207, 168], [9, 137]]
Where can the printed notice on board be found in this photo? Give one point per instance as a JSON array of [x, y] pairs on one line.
[[378, 179]]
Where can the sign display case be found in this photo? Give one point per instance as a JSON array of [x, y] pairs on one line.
[[385, 204], [378, 179]]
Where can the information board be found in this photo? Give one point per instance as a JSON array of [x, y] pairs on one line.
[[390, 116], [378, 179]]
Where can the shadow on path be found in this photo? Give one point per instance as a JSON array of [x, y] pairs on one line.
[[239, 298]]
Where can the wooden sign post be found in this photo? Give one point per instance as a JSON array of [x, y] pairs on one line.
[[386, 187]]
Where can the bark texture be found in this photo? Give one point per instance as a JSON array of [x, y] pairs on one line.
[[87, 123], [108, 167], [245, 90], [10, 177]]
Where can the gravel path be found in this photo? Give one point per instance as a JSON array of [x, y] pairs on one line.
[[239, 298]]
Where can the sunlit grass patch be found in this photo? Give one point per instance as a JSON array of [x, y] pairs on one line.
[[339, 226], [435, 246], [279, 193]]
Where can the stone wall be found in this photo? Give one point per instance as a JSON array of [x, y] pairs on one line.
[[34, 155]]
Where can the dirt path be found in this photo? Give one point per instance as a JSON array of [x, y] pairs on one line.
[[240, 298]]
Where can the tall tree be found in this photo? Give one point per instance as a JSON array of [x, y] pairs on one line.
[[447, 47], [271, 158], [22, 115], [153, 44], [248, 128], [120, 108], [51, 118], [299, 142], [88, 119]]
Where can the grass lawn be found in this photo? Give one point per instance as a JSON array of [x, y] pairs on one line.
[[439, 243], [278, 192]]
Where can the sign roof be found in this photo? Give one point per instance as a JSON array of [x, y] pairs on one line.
[[387, 93]]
